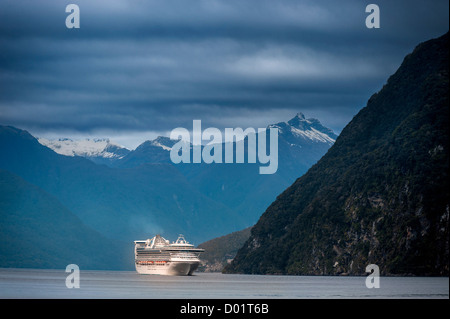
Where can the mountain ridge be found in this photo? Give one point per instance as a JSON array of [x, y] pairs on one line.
[[103, 151], [141, 199], [98, 150], [30, 217], [115, 202], [380, 193]]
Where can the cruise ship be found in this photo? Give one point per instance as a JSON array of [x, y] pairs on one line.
[[157, 256]]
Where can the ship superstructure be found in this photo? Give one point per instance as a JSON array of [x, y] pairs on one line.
[[158, 256]]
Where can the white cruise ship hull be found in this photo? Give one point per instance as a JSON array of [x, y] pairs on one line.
[[170, 268], [157, 256]]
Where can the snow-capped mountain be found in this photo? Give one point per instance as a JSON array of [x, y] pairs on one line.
[[206, 199], [155, 151], [98, 150], [301, 142], [310, 130], [163, 142]]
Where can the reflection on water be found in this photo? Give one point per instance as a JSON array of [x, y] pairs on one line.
[[45, 283]]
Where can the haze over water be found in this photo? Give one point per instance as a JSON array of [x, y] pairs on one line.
[[46, 283]]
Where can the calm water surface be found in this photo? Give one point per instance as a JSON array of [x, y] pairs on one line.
[[42, 283]]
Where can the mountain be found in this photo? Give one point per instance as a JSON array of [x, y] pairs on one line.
[[156, 151], [298, 135], [301, 143], [240, 187], [121, 204], [243, 189], [37, 231], [307, 129], [100, 151], [381, 193], [145, 193], [219, 251]]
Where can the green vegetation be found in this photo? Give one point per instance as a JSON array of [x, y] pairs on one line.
[[380, 194], [37, 231], [220, 251]]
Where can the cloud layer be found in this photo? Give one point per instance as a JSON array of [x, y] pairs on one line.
[[151, 66]]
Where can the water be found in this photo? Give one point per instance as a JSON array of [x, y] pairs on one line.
[[44, 283]]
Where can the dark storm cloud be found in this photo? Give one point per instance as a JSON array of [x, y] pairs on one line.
[[155, 65]]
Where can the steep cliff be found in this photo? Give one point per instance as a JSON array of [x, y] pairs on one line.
[[381, 193]]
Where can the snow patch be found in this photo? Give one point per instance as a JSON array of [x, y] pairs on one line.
[[164, 147], [84, 148], [313, 135]]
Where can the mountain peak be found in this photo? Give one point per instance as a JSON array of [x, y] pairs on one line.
[[307, 129], [163, 142], [300, 115], [97, 147], [300, 121]]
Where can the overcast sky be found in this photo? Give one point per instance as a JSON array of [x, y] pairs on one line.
[[138, 69]]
